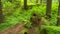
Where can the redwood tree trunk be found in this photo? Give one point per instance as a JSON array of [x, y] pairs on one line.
[[58, 19], [37, 1], [25, 4], [10, 0], [40, 2], [48, 8], [1, 15]]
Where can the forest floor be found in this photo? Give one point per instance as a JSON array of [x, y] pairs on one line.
[[13, 30]]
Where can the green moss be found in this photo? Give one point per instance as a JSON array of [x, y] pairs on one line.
[[25, 30]]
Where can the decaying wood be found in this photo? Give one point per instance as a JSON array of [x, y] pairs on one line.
[[36, 22]]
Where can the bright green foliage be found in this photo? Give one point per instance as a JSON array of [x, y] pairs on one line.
[[14, 13], [52, 29]]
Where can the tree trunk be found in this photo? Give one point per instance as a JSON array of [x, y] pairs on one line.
[[40, 2], [37, 2], [48, 8], [1, 15], [10, 0], [25, 4], [58, 19]]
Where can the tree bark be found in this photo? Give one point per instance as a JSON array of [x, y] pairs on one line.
[[10, 0], [58, 19], [40, 2], [36, 1], [1, 14], [48, 8], [25, 4]]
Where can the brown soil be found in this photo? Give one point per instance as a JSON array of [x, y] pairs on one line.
[[13, 30], [17, 29]]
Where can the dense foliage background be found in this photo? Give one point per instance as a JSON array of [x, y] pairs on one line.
[[14, 13]]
